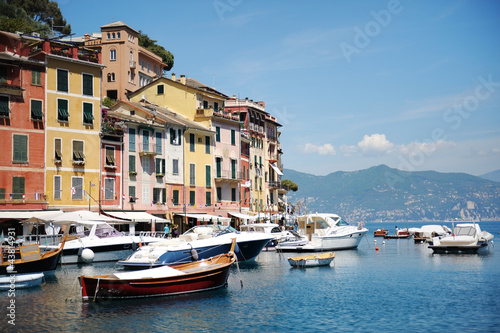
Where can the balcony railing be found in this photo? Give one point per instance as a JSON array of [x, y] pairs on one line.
[[204, 112], [228, 175]]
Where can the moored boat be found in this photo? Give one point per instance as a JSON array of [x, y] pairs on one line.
[[465, 238], [192, 277], [380, 232], [20, 281], [320, 259], [323, 232]]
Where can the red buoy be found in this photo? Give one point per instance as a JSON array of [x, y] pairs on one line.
[[376, 248]]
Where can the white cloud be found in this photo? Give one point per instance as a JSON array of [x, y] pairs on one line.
[[427, 148], [375, 144], [325, 149]]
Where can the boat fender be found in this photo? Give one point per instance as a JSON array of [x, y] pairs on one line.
[[87, 255], [194, 254]]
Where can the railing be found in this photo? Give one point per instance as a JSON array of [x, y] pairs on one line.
[[228, 175]]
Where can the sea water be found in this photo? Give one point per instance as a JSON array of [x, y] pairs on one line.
[[401, 287]]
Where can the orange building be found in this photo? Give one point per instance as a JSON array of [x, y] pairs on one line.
[[22, 132]]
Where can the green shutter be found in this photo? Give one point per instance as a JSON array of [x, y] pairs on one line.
[[217, 134], [62, 80], [192, 198], [208, 175], [207, 144], [36, 76], [175, 195], [2, 194], [88, 116], [163, 166], [20, 148], [131, 139], [87, 85], [131, 163], [164, 195], [160, 89], [4, 106], [233, 137], [131, 193], [36, 110], [62, 110], [17, 187], [191, 142], [208, 198]]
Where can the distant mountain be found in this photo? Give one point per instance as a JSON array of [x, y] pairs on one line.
[[381, 193], [494, 176]]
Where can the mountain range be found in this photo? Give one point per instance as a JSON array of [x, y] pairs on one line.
[[381, 193]]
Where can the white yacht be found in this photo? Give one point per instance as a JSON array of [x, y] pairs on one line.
[[323, 232], [465, 238]]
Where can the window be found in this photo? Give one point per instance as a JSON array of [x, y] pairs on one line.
[[112, 55], [233, 194], [217, 133], [131, 193], [131, 139], [159, 195], [160, 89], [216, 106], [77, 188], [110, 157], [159, 143], [109, 189], [192, 198], [4, 107], [175, 197], [192, 174], [208, 176], [57, 150], [111, 77], [88, 116], [3, 74], [219, 194], [191, 142], [118, 35], [78, 156], [57, 187], [62, 110], [109, 35], [145, 195], [88, 84], [208, 198], [131, 163], [36, 76], [233, 137], [17, 187], [2, 193], [207, 144], [175, 166], [175, 137], [20, 148], [36, 110], [145, 140], [114, 35], [233, 169], [160, 166], [62, 80], [218, 167], [145, 164]]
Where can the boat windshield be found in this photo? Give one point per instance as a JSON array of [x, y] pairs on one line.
[[104, 230], [465, 231], [341, 222]]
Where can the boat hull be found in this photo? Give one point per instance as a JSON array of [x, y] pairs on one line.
[[325, 243], [324, 259], [104, 288], [20, 281], [48, 263]]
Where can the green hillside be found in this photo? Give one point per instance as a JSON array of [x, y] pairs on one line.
[[382, 193]]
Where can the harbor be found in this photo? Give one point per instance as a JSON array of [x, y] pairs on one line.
[[360, 291]]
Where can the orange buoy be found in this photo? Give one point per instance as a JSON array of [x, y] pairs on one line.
[[376, 248]]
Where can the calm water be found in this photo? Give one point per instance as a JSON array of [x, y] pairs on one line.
[[403, 286]]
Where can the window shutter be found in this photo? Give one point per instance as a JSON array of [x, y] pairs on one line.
[[131, 163], [208, 176], [17, 187], [87, 85], [62, 80]]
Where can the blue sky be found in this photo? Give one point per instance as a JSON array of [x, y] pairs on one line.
[[414, 85]]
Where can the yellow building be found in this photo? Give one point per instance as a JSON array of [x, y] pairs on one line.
[[72, 123], [196, 102]]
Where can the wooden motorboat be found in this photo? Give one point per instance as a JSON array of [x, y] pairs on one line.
[[18, 281], [380, 232], [191, 277], [320, 259], [28, 259]]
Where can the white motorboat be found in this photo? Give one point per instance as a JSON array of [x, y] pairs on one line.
[[427, 232], [465, 238], [273, 229], [324, 232], [199, 242], [19, 281], [98, 241]]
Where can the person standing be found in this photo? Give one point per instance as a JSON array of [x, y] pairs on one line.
[[167, 230]]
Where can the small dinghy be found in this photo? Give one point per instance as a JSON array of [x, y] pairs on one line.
[[321, 259]]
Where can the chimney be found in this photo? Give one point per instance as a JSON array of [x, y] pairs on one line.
[[173, 76], [183, 79]]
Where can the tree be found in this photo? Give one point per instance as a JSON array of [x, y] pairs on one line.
[[290, 185], [46, 12], [150, 44]]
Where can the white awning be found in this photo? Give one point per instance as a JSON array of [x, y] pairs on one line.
[[276, 169], [138, 217], [205, 217], [24, 215], [243, 216]]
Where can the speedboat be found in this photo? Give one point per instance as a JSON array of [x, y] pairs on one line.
[[324, 232], [465, 238], [427, 232], [98, 241], [320, 259], [199, 242]]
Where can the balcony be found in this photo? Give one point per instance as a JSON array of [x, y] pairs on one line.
[[11, 84], [204, 113], [228, 176], [147, 150], [274, 185]]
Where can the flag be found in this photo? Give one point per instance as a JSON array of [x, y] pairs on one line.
[[73, 190], [37, 196], [92, 184], [123, 196]]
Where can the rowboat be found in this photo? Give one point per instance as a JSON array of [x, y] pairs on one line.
[[201, 275], [18, 281], [321, 259]]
